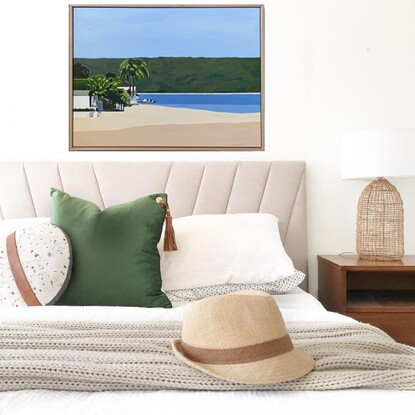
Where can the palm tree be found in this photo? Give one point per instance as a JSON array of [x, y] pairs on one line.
[[99, 85], [107, 90], [133, 69]]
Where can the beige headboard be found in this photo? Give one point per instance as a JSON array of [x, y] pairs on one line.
[[276, 187]]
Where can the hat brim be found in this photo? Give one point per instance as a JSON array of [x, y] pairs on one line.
[[289, 366]]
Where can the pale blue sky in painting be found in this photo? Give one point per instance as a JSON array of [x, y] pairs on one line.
[[118, 32]]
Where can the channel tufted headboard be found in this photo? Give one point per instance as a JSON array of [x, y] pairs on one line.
[[276, 187]]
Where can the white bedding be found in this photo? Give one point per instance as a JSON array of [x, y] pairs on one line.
[[297, 299], [296, 305]]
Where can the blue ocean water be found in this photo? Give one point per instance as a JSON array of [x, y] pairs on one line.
[[235, 103]]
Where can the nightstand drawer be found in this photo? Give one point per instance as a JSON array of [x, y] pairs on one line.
[[400, 326], [381, 293]]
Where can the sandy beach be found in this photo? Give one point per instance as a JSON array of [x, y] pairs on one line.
[[157, 126]]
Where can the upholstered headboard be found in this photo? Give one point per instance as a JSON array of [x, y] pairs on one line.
[[276, 187]]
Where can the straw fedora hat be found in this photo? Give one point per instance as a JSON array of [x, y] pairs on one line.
[[242, 338]]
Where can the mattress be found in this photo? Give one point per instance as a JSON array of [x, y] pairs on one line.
[[295, 306]]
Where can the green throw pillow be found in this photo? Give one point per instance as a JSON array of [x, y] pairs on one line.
[[115, 257]]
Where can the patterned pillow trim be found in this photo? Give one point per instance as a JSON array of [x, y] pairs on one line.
[[277, 287]]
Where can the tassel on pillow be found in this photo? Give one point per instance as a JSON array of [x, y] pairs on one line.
[[169, 236]]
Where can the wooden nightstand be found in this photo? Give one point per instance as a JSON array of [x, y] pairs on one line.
[[375, 292]]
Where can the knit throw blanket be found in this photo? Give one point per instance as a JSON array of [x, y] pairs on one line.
[[79, 356]]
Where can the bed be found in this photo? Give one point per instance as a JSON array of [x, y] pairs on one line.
[[194, 188]]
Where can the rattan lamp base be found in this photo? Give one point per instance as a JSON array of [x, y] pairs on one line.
[[379, 234]]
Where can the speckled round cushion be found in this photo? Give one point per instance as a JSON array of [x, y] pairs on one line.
[[35, 265]]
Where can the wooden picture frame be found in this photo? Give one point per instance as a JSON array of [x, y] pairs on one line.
[[171, 77]]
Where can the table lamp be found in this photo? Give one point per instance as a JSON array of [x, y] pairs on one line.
[[377, 154]]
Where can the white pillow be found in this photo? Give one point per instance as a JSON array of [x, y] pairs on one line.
[[35, 265], [243, 248], [9, 226]]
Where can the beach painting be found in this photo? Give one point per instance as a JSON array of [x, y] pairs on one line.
[[166, 77]]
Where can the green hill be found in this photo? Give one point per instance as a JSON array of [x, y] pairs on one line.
[[184, 75]]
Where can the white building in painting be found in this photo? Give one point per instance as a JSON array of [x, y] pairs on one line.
[[83, 101]]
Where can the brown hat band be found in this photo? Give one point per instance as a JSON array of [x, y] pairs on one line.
[[245, 354], [18, 273]]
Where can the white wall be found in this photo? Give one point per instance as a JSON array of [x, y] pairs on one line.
[[331, 66]]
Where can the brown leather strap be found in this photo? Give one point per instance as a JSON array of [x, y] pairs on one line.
[[18, 272], [237, 355]]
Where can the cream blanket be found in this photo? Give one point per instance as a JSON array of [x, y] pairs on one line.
[[79, 356]]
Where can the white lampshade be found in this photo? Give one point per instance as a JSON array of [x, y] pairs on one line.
[[368, 154]]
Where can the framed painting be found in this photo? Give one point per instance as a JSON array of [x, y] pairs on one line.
[[166, 77]]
